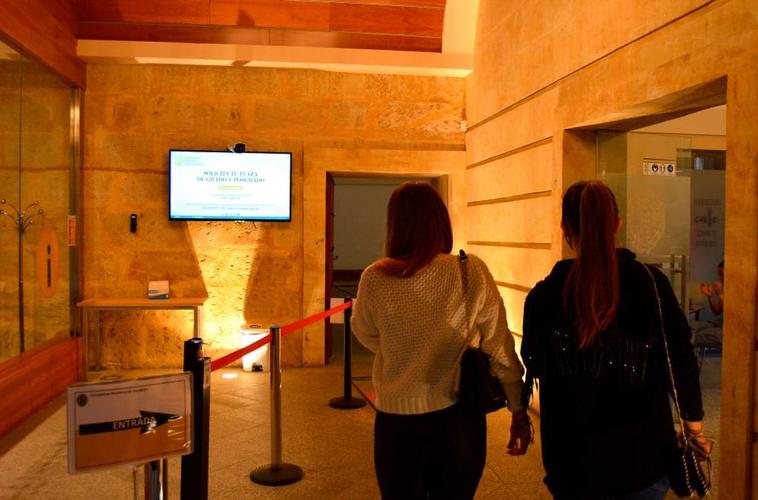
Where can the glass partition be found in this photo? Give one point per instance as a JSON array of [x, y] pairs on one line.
[[10, 157], [36, 161], [653, 193]]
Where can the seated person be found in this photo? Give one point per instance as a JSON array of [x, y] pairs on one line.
[[711, 332]]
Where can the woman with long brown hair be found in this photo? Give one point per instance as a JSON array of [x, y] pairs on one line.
[[411, 311], [593, 338]]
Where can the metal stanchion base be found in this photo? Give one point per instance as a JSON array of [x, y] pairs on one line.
[[343, 403], [283, 474]]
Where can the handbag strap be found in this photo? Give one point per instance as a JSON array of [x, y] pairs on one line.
[[462, 260], [674, 393]]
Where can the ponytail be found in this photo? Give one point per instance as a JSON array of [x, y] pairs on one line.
[[591, 293]]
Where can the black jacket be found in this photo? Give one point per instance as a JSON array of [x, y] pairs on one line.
[[606, 422]]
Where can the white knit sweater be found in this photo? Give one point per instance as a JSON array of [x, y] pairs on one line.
[[416, 327]]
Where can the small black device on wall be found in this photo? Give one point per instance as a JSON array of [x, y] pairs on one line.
[[133, 223]]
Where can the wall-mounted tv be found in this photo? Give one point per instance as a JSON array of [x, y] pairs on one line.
[[222, 185]]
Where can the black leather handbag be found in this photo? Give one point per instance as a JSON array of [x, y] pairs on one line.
[[480, 390], [690, 471]]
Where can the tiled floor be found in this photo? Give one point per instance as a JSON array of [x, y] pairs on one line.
[[332, 446]]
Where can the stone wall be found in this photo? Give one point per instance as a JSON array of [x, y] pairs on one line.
[[249, 272], [546, 74]]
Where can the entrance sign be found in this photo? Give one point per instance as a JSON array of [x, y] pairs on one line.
[[129, 422]]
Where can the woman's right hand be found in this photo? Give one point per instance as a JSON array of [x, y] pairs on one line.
[[693, 431], [706, 289], [522, 432]]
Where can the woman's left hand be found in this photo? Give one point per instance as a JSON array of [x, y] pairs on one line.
[[522, 433]]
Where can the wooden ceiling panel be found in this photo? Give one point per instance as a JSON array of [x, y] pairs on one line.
[[387, 19], [254, 36], [354, 41], [440, 4], [410, 25], [173, 33], [141, 11], [270, 14]]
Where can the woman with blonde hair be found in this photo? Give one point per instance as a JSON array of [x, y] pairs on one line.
[[594, 339], [411, 311]]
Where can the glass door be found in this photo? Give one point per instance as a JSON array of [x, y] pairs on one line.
[[45, 194], [653, 190]]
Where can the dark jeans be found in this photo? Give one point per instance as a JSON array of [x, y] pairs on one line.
[[655, 492], [437, 455]]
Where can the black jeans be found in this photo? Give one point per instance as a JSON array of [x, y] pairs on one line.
[[437, 455]]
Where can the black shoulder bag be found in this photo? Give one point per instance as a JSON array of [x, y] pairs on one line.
[[686, 474], [480, 391]]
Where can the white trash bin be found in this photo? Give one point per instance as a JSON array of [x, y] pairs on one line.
[[259, 357]]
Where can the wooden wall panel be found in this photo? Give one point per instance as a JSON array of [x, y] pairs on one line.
[[527, 171], [519, 221], [44, 30], [31, 380]]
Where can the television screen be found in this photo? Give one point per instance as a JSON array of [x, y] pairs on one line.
[[222, 185]]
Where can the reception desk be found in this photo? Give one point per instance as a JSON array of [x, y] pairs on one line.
[[92, 307]]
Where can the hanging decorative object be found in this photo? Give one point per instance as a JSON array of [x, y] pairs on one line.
[[22, 219]]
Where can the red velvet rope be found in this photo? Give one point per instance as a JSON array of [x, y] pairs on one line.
[[234, 356], [297, 325]]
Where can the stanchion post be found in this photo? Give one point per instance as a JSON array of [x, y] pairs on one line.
[[194, 481], [276, 473], [164, 479], [153, 480], [347, 401]]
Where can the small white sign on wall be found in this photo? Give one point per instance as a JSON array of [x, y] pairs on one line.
[[658, 167]]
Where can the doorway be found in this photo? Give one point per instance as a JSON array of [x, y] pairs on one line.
[[355, 229], [669, 182]]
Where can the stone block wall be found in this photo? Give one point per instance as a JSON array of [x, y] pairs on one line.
[[250, 272], [546, 73]]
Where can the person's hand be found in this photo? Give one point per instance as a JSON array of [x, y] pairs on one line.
[[522, 433], [718, 289], [693, 432], [706, 289]]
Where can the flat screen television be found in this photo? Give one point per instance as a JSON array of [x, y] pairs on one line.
[[222, 185]]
